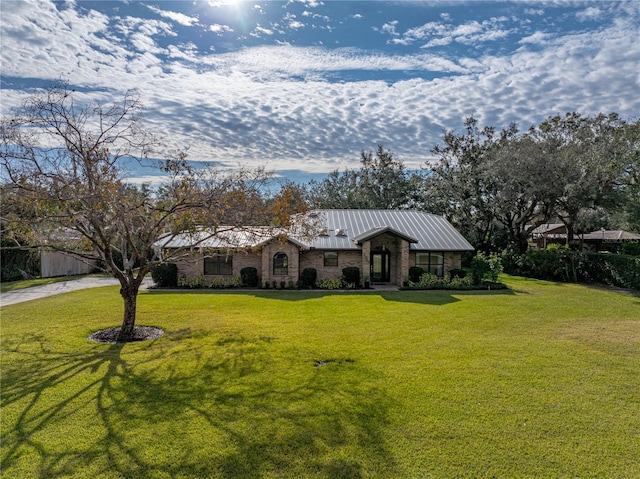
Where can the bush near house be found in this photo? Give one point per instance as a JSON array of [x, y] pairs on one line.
[[351, 276], [415, 272], [249, 276], [450, 282], [200, 282], [165, 275], [309, 277]]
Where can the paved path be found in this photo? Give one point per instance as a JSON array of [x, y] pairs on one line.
[[36, 292]]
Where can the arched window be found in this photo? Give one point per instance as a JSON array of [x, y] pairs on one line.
[[280, 264]]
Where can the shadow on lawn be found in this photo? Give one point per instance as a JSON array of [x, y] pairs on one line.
[[431, 297], [230, 416]]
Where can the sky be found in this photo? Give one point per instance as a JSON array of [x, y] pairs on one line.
[[302, 87]]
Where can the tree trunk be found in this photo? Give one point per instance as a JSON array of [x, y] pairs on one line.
[[129, 294]]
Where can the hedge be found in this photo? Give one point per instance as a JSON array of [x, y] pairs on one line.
[[576, 266], [165, 275]]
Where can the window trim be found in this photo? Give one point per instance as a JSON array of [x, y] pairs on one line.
[[434, 264], [280, 264], [325, 263], [216, 261]]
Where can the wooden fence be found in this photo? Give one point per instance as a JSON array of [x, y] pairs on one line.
[[56, 263]]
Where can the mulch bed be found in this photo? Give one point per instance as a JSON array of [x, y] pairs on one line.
[[140, 333]]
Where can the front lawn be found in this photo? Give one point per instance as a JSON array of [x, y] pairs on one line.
[[541, 380]]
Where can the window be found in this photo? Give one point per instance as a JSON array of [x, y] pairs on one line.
[[431, 262], [218, 263], [280, 264], [331, 258]]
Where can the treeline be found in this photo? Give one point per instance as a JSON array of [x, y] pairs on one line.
[[497, 186]]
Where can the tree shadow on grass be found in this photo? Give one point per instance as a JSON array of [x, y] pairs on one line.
[[225, 411], [431, 297]]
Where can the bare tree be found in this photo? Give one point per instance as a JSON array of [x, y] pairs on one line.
[[62, 164]]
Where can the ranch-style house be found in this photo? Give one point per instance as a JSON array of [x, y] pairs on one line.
[[383, 244]]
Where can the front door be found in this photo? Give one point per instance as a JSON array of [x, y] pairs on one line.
[[380, 262]]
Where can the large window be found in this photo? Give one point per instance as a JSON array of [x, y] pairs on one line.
[[431, 262], [218, 263], [331, 258], [280, 264]]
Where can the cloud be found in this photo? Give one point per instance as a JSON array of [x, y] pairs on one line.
[[180, 18], [261, 30], [591, 13], [220, 29], [390, 27], [438, 33], [537, 38], [279, 104]]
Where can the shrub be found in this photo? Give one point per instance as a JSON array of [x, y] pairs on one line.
[[309, 277], [249, 276], [485, 268], [214, 283], [414, 273], [329, 283], [457, 273], [351, 275], [165, 275], [573, 266], [428, 280], [631, 249]]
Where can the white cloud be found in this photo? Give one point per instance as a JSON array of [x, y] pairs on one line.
[[250, 106], [591, 13], [390, 27], [261, 30], [220, 29], [180, 18], [537, 38]]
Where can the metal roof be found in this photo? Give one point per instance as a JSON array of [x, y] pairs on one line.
[[337, 230], [430, 232]]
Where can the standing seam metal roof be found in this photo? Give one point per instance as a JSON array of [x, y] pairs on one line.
[[430, 232], [434, 233]]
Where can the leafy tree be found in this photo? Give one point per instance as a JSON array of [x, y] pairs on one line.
[[60, 162], [457, 185], [382, 182], [588, 157], [523, 193], [628, 184]]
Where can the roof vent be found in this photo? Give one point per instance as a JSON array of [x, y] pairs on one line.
[[341, 232], [323, 232]]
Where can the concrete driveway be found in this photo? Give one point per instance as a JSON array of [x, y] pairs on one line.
[[36, 292]]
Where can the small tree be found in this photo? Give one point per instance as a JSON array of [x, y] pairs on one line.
[[61, 162]]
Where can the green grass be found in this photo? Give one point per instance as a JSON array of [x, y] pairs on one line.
[[541, 381]]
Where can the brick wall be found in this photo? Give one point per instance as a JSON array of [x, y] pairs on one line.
[[293, 256], [315, 259], [192, 265], [401, 259]]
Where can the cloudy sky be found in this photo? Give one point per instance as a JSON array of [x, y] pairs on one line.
[[303, 86]]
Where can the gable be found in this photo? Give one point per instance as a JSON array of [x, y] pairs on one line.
[[346, 229], [337, 230]]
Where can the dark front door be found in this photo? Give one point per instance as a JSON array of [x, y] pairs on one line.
[[380, 267]]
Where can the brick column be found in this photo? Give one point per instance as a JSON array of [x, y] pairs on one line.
[[266, 264], [366, 260], [403, 270]]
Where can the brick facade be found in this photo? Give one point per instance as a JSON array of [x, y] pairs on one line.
[[401, 259]]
